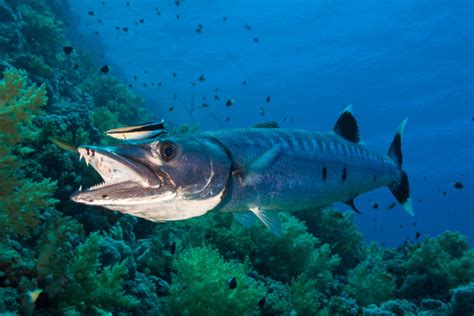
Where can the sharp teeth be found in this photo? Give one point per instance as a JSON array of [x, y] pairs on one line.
[[80, 188], [96, 186]]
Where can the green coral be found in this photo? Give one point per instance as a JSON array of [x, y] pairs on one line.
[[21, 199], [89, 285], [200, 285], [282, 258], [110, 93], [369, 282], [339, 231], [437, 265], [306, 297]]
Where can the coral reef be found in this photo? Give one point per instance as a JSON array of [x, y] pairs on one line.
[[202, 285], [89, 261]]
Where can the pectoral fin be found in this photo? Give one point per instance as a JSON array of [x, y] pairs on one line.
[[271, 219], [247, 219], [251, 173]]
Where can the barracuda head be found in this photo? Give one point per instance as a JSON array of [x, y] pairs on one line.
[[171, 179]]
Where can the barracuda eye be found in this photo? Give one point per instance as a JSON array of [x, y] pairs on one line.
[[167, 151]]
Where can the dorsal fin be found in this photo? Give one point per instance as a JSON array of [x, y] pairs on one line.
[[266, 125], [346, 126]]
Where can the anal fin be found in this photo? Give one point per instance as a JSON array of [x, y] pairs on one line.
[[352, 205], [271, 219]]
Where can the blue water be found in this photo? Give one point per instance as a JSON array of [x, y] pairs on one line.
[[390, 59]]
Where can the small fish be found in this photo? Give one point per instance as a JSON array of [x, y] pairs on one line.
[[338, 215], [91, 13], [63, 144], [173, 248], [76, 66], [33, 295], [262, 111], [232, 283], [170, 109], [247, 27], [244, 82], [392, 205], [227, 119], [216, 97], [68, 50], [224, 18], [418, 235], [268, 99], [105, 69], [230, 102], [375, 206], [138, 132], [202, 78], [458, 185], [205, 105], [255, 39], [125, 29]]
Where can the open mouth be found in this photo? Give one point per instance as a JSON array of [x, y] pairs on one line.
[[116, 165]]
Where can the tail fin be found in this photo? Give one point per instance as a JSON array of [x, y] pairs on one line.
[[401, 188]]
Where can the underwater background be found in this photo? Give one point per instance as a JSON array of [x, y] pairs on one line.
[[72, 70]]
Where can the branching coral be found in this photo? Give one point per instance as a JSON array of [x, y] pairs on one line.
[[437, 265], [21, 199], [369, 282], [339, 231], [89, 285], [110, 93], [306, 298], [200, 285]]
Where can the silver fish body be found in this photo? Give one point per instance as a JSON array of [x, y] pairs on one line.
[[252, 172], [310, 170]]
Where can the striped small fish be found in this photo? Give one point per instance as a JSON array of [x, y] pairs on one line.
[[143, 131]]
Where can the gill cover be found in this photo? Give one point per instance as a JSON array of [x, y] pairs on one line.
[[194, 173]]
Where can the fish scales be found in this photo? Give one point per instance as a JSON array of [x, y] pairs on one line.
[[294, 181], [252, 172]]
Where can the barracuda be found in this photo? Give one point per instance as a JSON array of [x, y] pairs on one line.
[[252, 172]]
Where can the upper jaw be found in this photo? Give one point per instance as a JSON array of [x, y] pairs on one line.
[[117, 165]]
